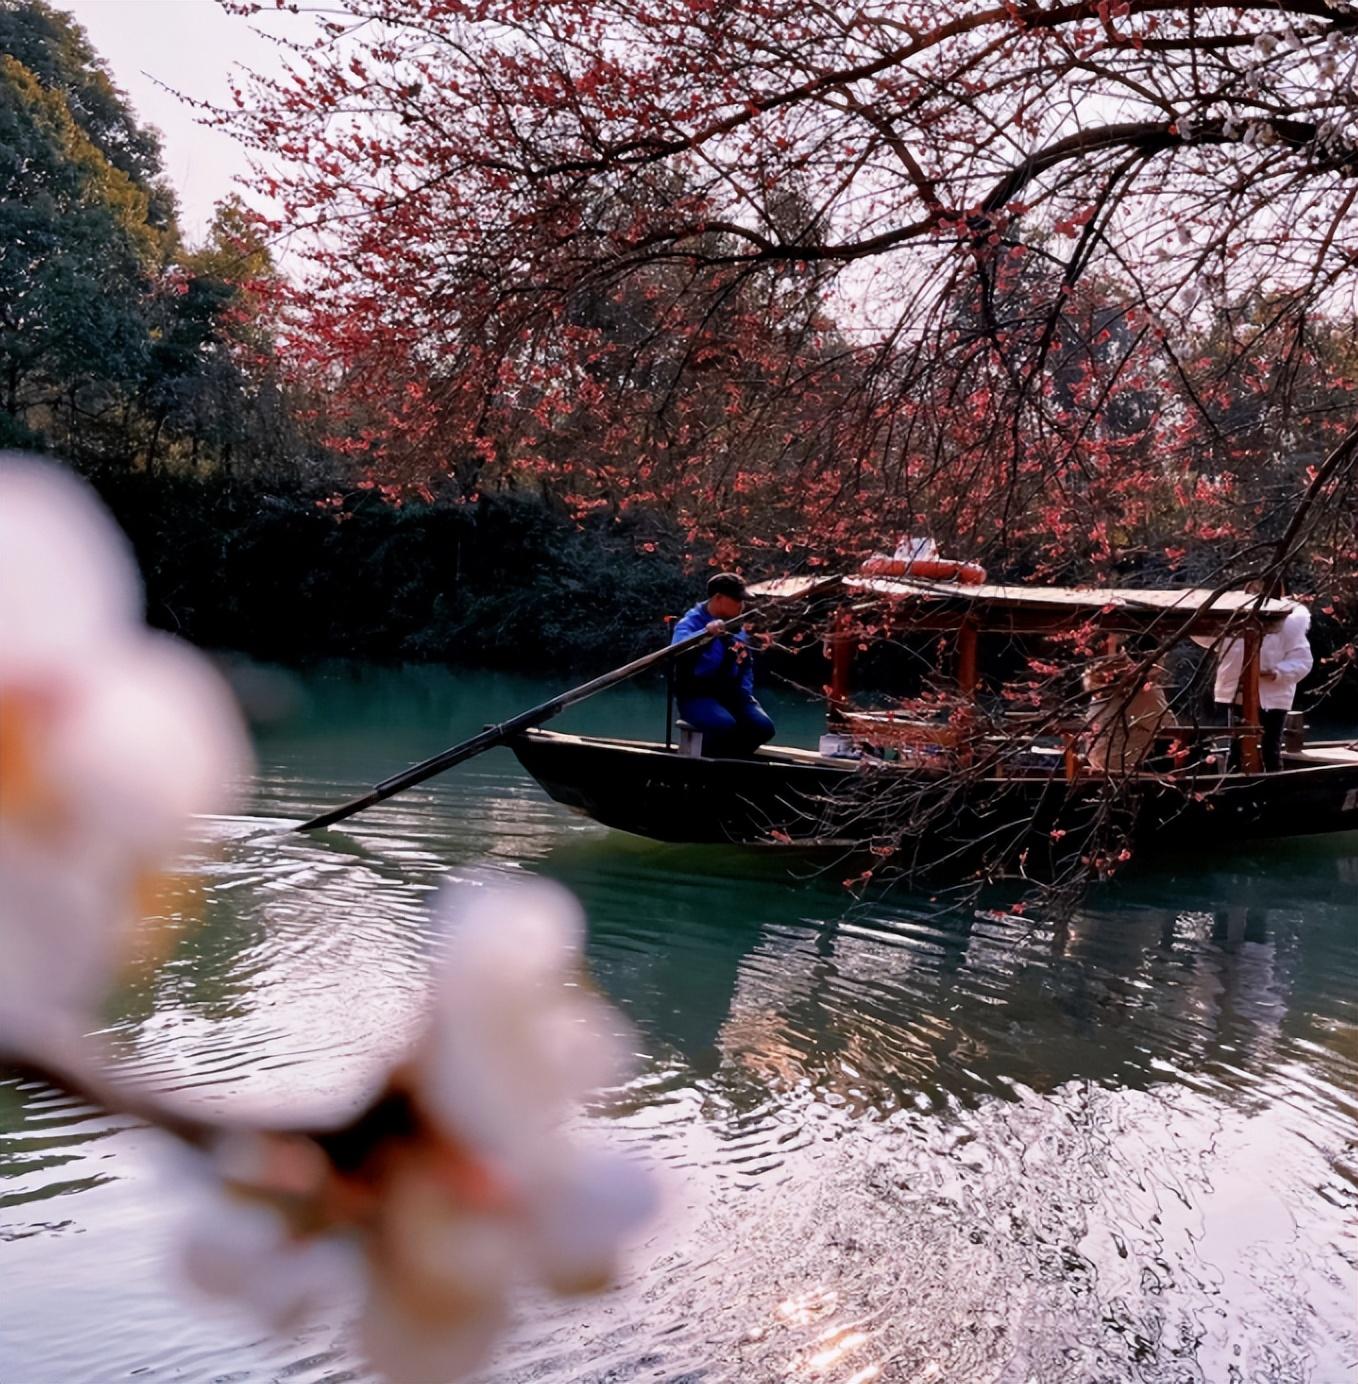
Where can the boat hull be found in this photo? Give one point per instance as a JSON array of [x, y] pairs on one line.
[[1039, 822]]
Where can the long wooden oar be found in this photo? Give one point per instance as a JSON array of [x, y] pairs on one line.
[[495, 735]]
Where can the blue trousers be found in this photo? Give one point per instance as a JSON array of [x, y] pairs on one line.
[[728, 728]]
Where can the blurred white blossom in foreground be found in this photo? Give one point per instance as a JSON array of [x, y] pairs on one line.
[[461, 1177], [111, 737]]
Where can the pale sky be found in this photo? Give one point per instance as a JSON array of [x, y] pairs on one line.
[[190, 45]]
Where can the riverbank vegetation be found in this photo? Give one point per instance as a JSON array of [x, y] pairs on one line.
[[582, 299]]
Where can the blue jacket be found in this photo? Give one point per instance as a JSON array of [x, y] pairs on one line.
[[715, 670]]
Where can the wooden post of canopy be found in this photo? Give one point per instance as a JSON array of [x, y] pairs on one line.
[[841, 661], [1249, 701], [967, 681], [1070, 758], [966, 657]]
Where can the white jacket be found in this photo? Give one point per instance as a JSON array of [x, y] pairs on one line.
[[1284, 652]]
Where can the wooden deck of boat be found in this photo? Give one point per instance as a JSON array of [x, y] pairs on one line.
[[778, 754], [1326, 752], [1312, 756]]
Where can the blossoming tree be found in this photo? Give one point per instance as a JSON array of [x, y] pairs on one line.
[[808, 274]]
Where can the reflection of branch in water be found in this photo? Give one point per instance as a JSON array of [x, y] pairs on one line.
[[884, 1009]]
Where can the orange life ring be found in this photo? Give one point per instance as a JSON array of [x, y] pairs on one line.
[[930, 568]]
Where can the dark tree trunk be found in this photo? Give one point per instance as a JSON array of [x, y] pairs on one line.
[[152, 444]]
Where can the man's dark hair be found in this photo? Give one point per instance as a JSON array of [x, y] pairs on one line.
[[726, 584]]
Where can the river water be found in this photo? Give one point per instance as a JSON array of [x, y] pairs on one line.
[[897, 1141]]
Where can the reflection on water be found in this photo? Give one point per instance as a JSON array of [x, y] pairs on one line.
[[898, 1144]]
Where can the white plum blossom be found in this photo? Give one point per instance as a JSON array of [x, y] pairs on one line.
[[468, 1179], [112, 737], [240, 1247], [68, 582], [515, 1042]]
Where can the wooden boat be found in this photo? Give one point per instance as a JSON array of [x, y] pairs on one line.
[[977, 795]]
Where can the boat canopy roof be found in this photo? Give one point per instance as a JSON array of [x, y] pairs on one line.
[[1034, 609]]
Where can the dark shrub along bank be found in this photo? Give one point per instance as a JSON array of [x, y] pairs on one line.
[[507, 582]]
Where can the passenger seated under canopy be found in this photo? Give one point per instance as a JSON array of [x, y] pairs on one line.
[[1128, 708]]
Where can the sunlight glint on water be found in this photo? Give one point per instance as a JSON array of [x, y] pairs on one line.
[[896, 1145]]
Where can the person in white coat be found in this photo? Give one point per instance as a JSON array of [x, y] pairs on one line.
[[1284, 659]]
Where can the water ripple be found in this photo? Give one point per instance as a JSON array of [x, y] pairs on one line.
[[898, 1141]]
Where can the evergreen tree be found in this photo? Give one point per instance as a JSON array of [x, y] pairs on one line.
[[76, 257]]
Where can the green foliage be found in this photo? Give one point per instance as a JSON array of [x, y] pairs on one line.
[[54, 49], [118, 346], [76, 253]]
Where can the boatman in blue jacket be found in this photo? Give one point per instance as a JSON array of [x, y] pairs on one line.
[[715, 685]]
